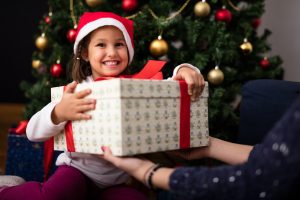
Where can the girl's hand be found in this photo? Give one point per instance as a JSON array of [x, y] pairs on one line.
[[133, 166], [194, 80], [73, 105]]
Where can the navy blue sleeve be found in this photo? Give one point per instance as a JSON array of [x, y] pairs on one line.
[[271, 172]]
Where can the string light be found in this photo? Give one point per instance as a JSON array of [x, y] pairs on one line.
[[156, 17], [233, 6], [72, 14]]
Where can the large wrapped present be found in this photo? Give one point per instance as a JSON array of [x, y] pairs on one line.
[[135, 116], [25, 158]]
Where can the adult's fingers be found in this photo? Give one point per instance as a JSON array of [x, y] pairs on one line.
[[107, 155]]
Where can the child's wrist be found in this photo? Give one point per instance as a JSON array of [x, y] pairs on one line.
[[54, 116]]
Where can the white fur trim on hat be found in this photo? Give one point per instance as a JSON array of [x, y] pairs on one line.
[[91, 26]]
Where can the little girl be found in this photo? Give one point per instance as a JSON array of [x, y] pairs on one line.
[[103, 48]]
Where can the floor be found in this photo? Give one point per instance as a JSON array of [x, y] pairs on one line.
[[10, 114]]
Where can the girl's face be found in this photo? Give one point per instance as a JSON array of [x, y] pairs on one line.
[[107, 52]]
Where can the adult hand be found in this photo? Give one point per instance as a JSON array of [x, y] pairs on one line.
[[73, 105], [194, 80], [133, 166]]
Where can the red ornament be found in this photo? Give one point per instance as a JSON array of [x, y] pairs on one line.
[[264, 63], [48, 19], [129, 5], [71, 35], [56, 70], [223, 15], [255, 23]]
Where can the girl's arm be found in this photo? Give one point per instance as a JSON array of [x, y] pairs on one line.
[[40, 127]]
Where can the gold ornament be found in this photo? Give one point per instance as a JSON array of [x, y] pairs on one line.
[[202, 9], [215, 76], [36, 64], [158, 47], [41, 42], [93, 3], [246, 47]]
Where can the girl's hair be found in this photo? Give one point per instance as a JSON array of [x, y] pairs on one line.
[[81, 69]]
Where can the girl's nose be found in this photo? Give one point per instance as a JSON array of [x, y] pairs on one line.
[[111, 51]]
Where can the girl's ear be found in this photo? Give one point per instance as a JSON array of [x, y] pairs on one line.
[[84, 54]]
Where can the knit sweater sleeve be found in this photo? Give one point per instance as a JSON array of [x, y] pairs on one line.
[[271, 171]]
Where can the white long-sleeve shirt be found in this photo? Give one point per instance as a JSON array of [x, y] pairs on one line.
[[103, 173]]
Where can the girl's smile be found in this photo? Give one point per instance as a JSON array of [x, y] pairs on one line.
[[107, 52]]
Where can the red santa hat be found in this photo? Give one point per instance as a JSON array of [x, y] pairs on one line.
[[90, 21]]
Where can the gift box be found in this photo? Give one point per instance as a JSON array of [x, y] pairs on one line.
[[135, 116], [25, 158]]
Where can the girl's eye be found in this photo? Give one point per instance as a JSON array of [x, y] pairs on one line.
[[119, 44], [101, 45]]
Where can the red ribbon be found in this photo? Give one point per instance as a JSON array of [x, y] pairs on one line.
[[69, 137], [185, 102], [151, 70], [48, 156]]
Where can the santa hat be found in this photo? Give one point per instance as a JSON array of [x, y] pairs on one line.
[[90, 21]]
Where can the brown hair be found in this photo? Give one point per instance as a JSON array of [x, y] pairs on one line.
[[81, 69]]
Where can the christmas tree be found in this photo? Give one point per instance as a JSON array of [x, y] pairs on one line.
[[219, 37]]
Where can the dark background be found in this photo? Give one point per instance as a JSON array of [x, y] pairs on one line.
[[19, 24]]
